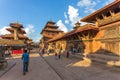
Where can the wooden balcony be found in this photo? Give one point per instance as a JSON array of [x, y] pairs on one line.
[[108, 20]]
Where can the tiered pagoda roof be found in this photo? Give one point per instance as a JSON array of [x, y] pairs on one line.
[[50, 26], [11, 36], [16, 25], [57, 37], [48, 36], [12, 30], [51, 30], [20, 31]]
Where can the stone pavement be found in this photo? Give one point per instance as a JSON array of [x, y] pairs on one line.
[[10, 65], [38, 70], [76, 69]]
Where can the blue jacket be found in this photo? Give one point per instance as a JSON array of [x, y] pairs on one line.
[[25, 57]]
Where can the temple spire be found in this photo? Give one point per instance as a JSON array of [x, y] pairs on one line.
[[77, 24]]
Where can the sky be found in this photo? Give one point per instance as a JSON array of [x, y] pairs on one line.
[[34, 14]]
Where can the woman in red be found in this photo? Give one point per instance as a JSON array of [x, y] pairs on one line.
[[67, 54]]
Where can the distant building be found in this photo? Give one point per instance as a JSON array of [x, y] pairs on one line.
[[50, 30]]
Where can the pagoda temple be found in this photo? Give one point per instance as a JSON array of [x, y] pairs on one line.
[[17, 33], [50, 30], [13, 42]]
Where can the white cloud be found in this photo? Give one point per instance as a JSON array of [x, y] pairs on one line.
[[65, 15], [87, 10], [29, 30], [37, 39], [88, 5], [66, 21], [30, 33], [108, 2], [3, 30], [84, 3], [61, 26], [73, 15], [66, 18]]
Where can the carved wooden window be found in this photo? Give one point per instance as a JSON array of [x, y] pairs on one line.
[[117, 10], [108, 14], [100, 17]]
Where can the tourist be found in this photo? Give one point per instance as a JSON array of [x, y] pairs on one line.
[[43, 51], [48, 51], [6, 53], [59, 54], [67, 54], [56, 55], [76, 50], [25, 58]]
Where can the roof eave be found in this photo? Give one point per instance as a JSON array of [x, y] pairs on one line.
[[85, 19]]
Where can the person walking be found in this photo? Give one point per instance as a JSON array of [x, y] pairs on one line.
[[56, 55], [67, 54], [25, 58], [59, 54]]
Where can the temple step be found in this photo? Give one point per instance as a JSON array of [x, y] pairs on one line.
[[103, 58]]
